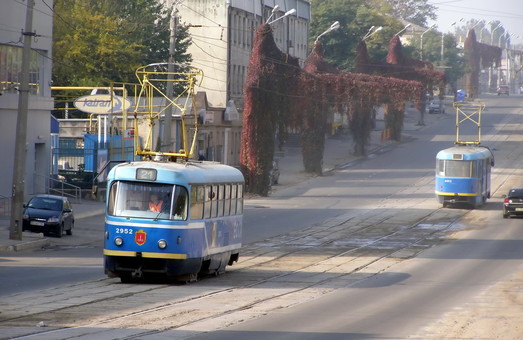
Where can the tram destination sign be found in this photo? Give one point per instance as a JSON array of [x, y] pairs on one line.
[[101, 103]]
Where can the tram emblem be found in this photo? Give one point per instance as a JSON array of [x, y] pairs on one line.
[[140, 237]]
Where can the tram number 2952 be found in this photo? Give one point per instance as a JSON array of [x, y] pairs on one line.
[[127, 231]]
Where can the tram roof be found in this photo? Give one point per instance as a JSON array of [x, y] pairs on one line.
[[172, 172], [468, 152]]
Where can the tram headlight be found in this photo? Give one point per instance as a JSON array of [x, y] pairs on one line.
[[118, 241], [162, 244]]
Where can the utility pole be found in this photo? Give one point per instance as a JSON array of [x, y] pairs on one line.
[[167, 143], [15, 227]]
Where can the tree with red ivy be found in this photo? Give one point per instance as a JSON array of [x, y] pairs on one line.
[[408, 68], [279, 95], [477, 54], [271, 78], [354, 95]]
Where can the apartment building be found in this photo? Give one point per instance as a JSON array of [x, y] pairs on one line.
[[222, 34], [38, 142]]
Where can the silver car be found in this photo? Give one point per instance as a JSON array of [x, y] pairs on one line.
[[436, 106]]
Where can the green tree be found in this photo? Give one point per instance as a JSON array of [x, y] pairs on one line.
[[90, 48], [356, 17], [453, 62], [102, 41], [415, 11]]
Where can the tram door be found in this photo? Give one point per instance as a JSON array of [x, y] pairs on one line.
[[481, 179]]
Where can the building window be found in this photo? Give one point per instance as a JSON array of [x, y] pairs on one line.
[[11, 70]]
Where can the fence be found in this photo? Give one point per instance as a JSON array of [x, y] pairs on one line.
[[5, 206], [61, 188]]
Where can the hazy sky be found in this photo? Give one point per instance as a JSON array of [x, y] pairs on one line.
[[508, 12]]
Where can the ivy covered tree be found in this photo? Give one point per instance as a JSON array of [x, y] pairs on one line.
[[478, 55], [271, 78], [452, 62]]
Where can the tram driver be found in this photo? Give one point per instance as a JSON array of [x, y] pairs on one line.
[[155, 204]]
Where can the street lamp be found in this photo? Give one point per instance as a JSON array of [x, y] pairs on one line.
[[403, 29], [479, 22], [482, 29], [421, 42], [274, 10], [506, 35], [289, 12], [490, 68], [335, 25], [492, 33], [370, 34], [443, 42]]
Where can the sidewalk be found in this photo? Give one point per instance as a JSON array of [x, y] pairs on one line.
[[338, 151], [82, 209]]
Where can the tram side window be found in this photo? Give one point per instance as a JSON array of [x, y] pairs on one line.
[[227, 201], [239, 201], [221, 199], [441, 167], [180, 203], [208, 199], [111, 204], [197, 200], [234, 189], [214, 201]]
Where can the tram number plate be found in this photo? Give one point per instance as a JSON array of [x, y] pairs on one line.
[[124, 231], [38, 223]]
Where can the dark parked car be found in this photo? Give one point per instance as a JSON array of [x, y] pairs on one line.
[[503, 89], [513, 203], [48, 214], [274, 174]]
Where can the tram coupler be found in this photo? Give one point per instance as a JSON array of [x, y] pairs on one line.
[[137, 273]]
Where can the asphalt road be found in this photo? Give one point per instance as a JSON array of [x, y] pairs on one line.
[[395, 300], [410, 295]]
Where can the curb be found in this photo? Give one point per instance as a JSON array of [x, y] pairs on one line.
[[32, 241], [79, 216], [26, 245]]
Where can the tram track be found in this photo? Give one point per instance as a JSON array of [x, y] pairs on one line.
[[342, 264], [276, 273]]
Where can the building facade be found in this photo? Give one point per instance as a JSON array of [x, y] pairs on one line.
[[222, 34], [39, 139]]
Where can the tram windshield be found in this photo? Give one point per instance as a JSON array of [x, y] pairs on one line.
[[147, 200], [451, 168]]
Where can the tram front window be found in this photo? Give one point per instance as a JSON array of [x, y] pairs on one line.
[[458, 168], [147, 200]]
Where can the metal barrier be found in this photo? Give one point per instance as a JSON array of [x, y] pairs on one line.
[[61, 188]]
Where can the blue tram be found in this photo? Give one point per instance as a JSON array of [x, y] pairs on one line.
[[174, 220], [463, 174]]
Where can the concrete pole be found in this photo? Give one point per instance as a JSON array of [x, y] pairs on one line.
[[442, 48], [15, 227]]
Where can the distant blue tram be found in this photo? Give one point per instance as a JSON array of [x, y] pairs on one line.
[[463, 174], [174, 220]]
